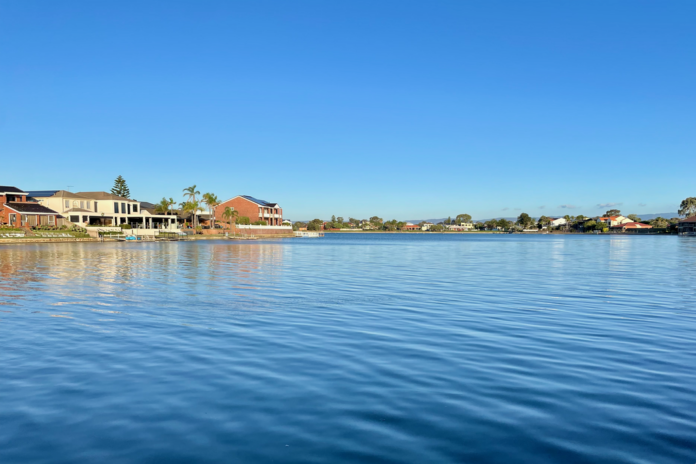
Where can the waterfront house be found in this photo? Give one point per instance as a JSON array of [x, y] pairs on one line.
[[253, 208], [17, 210], [612, 221], [101, 209], [427, 225], [687, 226], [557, 222], [631, 227], [410, 226]]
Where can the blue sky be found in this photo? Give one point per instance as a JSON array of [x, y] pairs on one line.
[[401, 109]]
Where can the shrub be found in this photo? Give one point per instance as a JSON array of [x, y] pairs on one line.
[[125, 226], [260, 223], [243, 220]]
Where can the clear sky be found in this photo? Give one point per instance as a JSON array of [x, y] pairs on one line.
[[400, 109]]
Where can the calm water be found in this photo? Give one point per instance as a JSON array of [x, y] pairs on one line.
[[370, 348]]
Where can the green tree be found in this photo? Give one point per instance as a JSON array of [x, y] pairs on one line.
[[244, 220], [211, 201], [659, 223], [190, 193], [376, 220], [688, 207], [463, 219], [192, 207], [120, 188], [613, 212], [162, 207], [633, 217], [315, 224], [230, 214], [525, 221]]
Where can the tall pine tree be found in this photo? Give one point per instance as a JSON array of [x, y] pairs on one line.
[[120, 188]]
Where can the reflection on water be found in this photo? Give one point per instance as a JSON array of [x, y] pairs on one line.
[[370, 348]]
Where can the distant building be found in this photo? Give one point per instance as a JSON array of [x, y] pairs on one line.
[[687, 226], [253, 208], [612, 221], [410, 227], [632, 227], [17, 210], [557, 222], [427, 225]]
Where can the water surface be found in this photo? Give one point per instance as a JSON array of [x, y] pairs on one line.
[[368, 348]]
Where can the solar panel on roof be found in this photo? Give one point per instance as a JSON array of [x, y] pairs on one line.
[[42, 193], [257, 201]]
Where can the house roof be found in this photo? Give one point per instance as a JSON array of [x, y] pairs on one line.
[[29, 208], [689, 219], [633, 225], [103, 196], [260, 202], [9, 189], [52, 193]]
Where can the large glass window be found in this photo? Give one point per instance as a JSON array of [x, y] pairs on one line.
[[25, 218], [115, 207], [135, 208], [51, 220], [67, 203], [95, 206], [13, 219], [123, 208], [82, 204], [129, 210], [88, 205]]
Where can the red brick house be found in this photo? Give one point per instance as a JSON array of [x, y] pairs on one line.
[[17, 211], [253, 208]]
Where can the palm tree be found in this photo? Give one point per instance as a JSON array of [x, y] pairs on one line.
[[230, 214], [192, 207], [211, 202], [190, 193], [163, 206]]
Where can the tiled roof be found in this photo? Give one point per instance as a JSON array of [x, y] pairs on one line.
[[8, 189], [633, 225], [103, 196], [29, 208], [689, 219]]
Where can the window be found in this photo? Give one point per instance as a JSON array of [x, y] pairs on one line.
[[88, 205], [95, 206], [115, 207], [51, 220], [129, 210], [67, 204], [123, 208], [82, 204], [135, 208], [75, 204], [75, 219], [13, 219], [25, 218]]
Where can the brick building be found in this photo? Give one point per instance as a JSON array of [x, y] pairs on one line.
[[253, 208], [16, 210]]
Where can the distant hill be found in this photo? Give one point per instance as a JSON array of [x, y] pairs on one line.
[[646, 216]]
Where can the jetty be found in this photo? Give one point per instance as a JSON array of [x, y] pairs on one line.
[[308, 234]]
